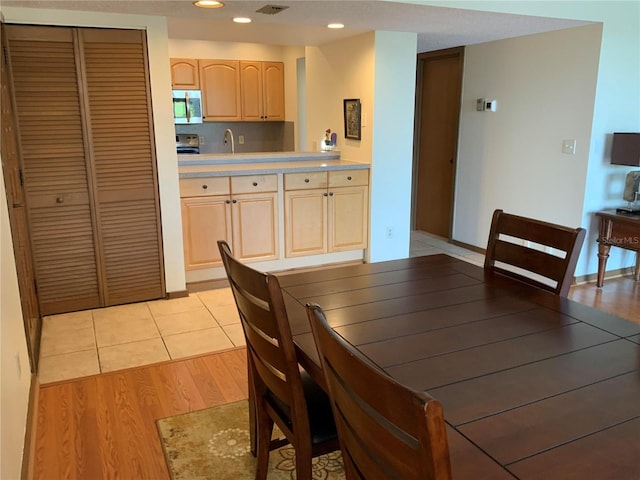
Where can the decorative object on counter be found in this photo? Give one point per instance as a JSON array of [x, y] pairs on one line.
[[352, 123], [327, 144]]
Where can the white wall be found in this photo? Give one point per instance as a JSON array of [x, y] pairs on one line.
[[395, 83], [334, 72], [164, 129], [14, 394], [511, 159], [379, 69], [617, 101]]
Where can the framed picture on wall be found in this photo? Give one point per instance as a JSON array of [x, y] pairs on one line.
[[352, 116]]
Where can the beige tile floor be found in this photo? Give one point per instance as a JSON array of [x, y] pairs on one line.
[[103, 340]]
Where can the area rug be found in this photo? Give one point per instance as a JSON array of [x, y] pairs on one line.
[[213, 444]]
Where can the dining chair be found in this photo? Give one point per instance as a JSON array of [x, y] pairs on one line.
[[386, 430], [280, 391], [520, 242]]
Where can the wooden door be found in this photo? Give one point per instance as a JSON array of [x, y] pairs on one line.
[[122, 149], [273, 88], [220, 84], [438, 111], [56, 173], [205, 220], [348, 218], [255, 226], [305, 216], [184, 74], [251, 91], [17, 210]]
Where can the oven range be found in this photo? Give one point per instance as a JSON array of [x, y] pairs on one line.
[[187, 143]]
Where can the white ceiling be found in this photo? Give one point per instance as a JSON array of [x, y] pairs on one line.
[[304, 22]]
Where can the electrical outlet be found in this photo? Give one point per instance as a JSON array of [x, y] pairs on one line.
[[201, 140], [569, 146], [241, 139], [389, 232]]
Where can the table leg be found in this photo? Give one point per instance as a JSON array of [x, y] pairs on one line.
[[603, 256], [636, 274]]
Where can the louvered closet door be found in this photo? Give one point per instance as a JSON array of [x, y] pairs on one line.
[[123, 155], [48, 109]]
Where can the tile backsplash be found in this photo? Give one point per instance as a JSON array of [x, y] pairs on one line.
[[258, 136]]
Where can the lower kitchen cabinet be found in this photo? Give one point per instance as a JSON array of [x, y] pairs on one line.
[[241, 210], [326, 212]]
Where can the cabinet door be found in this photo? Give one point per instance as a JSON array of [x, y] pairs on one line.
[[255, 226], [348, 218], [205, 220], [251, 91], [305, 222], [273, 90], [184, 74], [220, 83]]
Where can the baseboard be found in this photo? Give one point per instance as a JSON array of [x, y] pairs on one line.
[[178, 294], [203, 285], [473, 248], [31, 431], [593, 277]]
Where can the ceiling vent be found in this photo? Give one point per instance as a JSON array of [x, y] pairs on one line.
[[271, 9]]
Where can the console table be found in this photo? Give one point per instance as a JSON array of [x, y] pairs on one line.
[[617, 230]]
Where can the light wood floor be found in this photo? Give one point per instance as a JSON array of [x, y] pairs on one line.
[[104, 426]]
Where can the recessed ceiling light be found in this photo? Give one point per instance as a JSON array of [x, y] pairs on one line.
[[208, 4], [335, 25], [241, 19]]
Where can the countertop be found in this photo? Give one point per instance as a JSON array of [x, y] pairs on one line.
[[215, 165]]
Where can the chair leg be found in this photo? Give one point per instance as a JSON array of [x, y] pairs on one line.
[[264, 429], [303, 461]]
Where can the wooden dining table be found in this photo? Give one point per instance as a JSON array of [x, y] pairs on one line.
[[533, 386]]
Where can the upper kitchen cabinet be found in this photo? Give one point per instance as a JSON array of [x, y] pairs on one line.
[[220, 84], [185, 74], [262, 91]]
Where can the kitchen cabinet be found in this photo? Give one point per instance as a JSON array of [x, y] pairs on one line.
[[185, 74], [325, 211], [262, 91], [240, 209], [220, 85]]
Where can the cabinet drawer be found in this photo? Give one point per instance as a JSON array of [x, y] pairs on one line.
[[348, 178], [302, 181], [254, 183], [202, 187]]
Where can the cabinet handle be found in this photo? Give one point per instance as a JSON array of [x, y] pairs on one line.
[[349, 178], [306, 180], [227, 201], [234, 201], [255, 184], [60, 200], [204, 187], [331, 194], [325, 194]]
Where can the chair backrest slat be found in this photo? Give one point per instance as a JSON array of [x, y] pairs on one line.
[[386, 430], [557, 267]]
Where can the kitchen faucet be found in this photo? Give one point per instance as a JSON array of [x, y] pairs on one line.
[[228, 134]]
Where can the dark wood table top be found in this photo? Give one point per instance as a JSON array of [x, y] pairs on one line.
[[532, 385]]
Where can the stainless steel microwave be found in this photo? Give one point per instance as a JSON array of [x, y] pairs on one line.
[[187, 106]]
